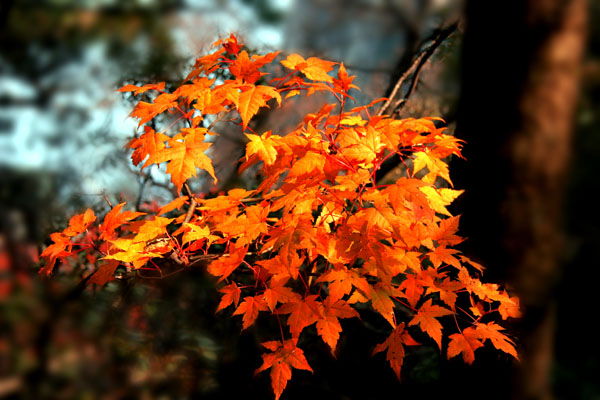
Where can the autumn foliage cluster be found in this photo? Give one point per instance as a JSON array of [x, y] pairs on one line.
[[319, 240]]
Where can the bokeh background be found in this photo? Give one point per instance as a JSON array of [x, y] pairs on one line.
[[62, 131]]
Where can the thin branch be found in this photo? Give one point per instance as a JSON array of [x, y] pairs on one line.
[[193, 204], [220, 116], [108, 200], [145, 179], [399, 83], [416, 67]]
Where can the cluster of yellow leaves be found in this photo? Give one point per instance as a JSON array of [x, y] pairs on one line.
[[318, 237]]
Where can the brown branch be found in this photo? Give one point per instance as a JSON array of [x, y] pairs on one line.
[[416, 67], [108, 200], [220, 116], [193, 204]]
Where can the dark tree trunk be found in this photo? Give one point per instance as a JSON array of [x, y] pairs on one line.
[[519, 92]]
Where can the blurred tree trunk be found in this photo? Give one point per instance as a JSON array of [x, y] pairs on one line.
[[519, 92]]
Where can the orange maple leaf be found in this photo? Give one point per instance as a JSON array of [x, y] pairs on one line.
[[150, 142], [173, 205], [252, 98], [141, 89], [56, 250], [426, 319], [303, 313], [328, 326], [277, 292], [395, 347], [283, 358], [465, 343], [105, 273], [231, 294], [186, 152], [382, 303], [146, 111], [343, 82], [246, 69], [491, 331], [227, 263], [114, 219], [250, 307], [79, 223]]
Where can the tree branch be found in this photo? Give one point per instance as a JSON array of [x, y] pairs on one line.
[[416, 67]]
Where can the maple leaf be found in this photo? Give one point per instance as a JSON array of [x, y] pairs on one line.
[[464, 343], [283, 265], [382, 303], [249, 225], [440, 198], [263, 146], [434, 165], [342, 280], [146, 111], [196, 232], [509, 307], [277, 292], [56, 250], [413, 289], [230, 44], [442, 254], [246, 69], [79, 223], [343, 82], [114, 219], [243, 69], [173, 205], [252, 98], [141, 89], [303, 313], [283, 358], [231, 294], [328, 326], [151, 229], [250, 307], [207, 64], [227, 263], [184, 155], [395, 347], [491, 331], [311, 163], [62, 240], [105, 273], [313, 68], [150, 142], [426, 319], [361, 150], [444, 233], [129, 252]]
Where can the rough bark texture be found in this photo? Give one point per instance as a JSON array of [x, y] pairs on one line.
[[520, 84]]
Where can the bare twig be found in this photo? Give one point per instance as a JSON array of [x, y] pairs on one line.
[[108, 200], [193, 204], [416, 67], [220, 116]]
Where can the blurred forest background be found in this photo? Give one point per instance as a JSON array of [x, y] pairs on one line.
[[520, 82]]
